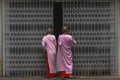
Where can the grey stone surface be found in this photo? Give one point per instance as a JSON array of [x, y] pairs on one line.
[[58, 78]]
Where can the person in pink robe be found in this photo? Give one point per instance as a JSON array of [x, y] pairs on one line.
[[64, 54], [49, 43]]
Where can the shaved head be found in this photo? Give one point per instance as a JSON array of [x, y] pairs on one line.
[[49, 31], [65, 29]]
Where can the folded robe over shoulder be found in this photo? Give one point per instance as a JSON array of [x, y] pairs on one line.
[[64, 54], [49, 43]]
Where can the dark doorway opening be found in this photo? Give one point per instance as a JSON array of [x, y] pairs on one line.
[[58, 18]]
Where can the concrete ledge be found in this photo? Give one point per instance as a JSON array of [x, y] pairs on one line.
[[58, 78]]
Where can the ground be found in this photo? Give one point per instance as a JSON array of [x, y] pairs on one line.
[[58, 78]]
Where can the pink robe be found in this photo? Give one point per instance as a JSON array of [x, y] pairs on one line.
[[64, 55], [49, 43]]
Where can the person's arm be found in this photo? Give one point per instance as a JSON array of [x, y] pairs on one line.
[[43, 42], [55, 41], [73, 40], [59, 40]]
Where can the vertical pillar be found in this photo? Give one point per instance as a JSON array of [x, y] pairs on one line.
[[118, 37], [1, 60]]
